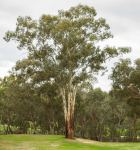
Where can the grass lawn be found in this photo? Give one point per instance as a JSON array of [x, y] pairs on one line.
[[52, 142]]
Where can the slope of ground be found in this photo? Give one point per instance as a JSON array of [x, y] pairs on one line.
[[52, 142]]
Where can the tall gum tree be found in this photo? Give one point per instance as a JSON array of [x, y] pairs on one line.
[[64, 49]]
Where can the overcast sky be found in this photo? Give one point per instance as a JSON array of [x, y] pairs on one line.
[[123, 16]]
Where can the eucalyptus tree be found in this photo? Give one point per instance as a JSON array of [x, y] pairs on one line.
[[126, 85], [64, 49], [125, 77]]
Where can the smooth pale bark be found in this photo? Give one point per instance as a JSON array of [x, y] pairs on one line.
[[68, 96]]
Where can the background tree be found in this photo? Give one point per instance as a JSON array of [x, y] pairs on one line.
[[126, 87]]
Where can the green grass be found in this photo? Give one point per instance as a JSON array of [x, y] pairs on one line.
[[52, 142]]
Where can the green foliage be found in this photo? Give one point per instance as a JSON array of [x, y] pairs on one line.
[[64, 46], [126, 87]]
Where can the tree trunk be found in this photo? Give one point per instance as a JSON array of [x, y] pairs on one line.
[[69, 127], [68, 96]]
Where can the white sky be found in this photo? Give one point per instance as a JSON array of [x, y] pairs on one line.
[[123, 16]]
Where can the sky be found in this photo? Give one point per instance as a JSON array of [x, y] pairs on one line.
[[123, 16]]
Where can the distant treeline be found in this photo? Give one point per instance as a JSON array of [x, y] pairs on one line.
[[99, 115]]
